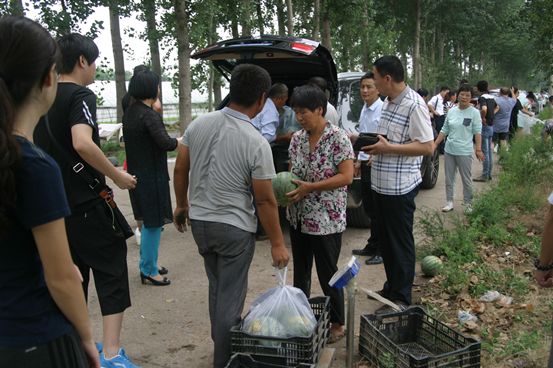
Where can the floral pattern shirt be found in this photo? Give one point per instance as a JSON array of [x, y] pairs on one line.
[[322, 212]]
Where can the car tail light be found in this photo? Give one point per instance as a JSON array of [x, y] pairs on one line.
[[207, 48], [302, 47]]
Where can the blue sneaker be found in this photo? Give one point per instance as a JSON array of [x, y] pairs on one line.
[[118, 361], [99, 346]]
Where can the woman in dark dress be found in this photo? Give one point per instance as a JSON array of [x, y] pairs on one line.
[[147, 143]]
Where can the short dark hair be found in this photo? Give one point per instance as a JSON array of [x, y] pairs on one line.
[[369, 75], [248, 83], [278, 90], [392, 66], [465, 87], [482, 86], [309, 97], [140, 68], [319, 82], [423, 92], [550, 98], [444, 88], [144, 85], [450, 94], [505, 91], [463, 81], [74, 45], [530, 94], [515, 89]]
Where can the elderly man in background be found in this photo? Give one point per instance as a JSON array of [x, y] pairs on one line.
[[368, 123], [437, 108]]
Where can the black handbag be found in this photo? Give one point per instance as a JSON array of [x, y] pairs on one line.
[[105, 192], [366, 139]]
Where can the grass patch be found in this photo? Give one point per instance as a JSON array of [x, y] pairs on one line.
[[493, 248]]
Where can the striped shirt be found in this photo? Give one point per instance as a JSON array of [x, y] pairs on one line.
[[404, 120]]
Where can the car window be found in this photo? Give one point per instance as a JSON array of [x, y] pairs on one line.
[[355, 101]]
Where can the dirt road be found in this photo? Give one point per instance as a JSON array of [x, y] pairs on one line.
[[169, 326]]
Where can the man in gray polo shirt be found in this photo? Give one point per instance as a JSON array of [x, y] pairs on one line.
[[222, 154]]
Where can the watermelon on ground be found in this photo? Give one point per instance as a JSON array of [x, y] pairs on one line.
[[282, 184], [431, 265]]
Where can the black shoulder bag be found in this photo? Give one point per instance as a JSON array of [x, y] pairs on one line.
[[103, 191]]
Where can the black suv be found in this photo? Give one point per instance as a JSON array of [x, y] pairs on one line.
[[293, 61]]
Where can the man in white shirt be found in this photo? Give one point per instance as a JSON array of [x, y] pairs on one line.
[[266, 122], [436, 106], [368, 123], [331, 113]]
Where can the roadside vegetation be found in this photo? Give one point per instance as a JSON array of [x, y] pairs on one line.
[[493, 249]]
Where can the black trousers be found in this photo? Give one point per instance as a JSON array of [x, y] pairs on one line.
[[326, 249], [395, 228], [373, 243], [440, 120]]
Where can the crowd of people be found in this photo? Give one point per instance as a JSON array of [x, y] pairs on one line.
[[59, 222]]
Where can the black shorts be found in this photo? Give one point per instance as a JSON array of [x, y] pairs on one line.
[[64, 352], [95, 244], [500, 136]]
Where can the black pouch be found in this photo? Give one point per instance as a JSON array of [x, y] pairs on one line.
[[366, 139], [122, 223]]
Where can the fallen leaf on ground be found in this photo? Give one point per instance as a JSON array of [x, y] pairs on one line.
[[169, 300]]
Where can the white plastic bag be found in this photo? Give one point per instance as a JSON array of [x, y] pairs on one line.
[[282, 311], [501, 299]]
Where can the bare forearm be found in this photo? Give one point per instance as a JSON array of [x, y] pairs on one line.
[[94, 156], [181, 184], [268, 215], [440, 138], [478, 139], [412, 149]]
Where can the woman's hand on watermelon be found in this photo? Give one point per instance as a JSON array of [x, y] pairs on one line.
[[301, 191], [181, 219]]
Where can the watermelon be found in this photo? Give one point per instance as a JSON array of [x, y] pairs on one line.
[[265, 326], [282, 184], [431, 265]]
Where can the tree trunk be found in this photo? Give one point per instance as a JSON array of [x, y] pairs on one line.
[[316, 16], [246, 19], [150, 14], [290, 18], [210, 89], [16, 7], [280, 16], [118, 59], [416, 47], [259, 17], [217, 93], [326, 28], [366, 59], [183, 51]]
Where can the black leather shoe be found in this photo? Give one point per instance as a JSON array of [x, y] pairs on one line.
[[363, 252], [163, 271], [381, 293], [386, 309], [376, 259], [164, 282]]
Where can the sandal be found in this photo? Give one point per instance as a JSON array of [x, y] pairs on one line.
[[335, 337]]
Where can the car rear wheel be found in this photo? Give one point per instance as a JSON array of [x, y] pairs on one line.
[[357, 217], [430, 168]]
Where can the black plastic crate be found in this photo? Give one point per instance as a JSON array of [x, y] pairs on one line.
[[287, 351], [414, 339], [246, 361]]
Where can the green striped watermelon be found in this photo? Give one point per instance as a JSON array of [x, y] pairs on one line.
[[431, 265], [282, 184]]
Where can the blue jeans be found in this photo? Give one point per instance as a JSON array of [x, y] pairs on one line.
[[487, 134]]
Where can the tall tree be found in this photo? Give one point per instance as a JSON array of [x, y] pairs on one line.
[[118, 59], [290, 19], [280, 17], [149, 7], [316, 16], [183, 52]]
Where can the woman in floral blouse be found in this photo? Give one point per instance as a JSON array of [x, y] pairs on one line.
[[322, 157]]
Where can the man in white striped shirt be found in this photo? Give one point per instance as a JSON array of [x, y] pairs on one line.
[[396, 176]]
